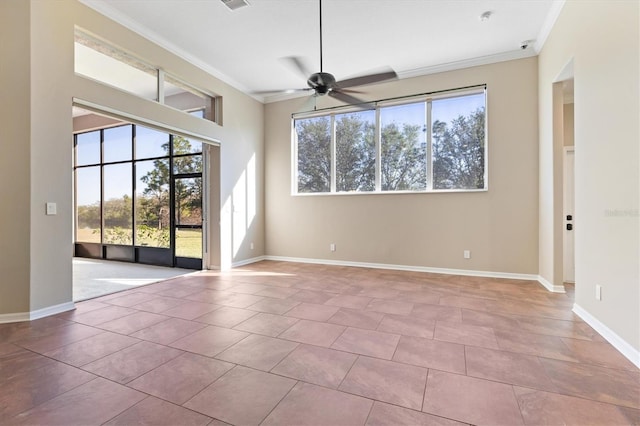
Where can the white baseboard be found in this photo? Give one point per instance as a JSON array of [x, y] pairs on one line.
[[631, 353], [39, 313], [447, 271], [51, 310], [549, 286], [248, 261], [16, 317]]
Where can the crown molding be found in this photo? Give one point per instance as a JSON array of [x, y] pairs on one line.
[[468, 63]]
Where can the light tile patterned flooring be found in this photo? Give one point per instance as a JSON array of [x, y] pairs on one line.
[[292, 344]]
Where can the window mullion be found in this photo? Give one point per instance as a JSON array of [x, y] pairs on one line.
[[333, 154], [160, 81], [294, 160], [429, 150], [134, 184], [378, 137], [101, 186]]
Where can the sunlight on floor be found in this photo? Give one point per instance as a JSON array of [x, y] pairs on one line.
[[93, 277]]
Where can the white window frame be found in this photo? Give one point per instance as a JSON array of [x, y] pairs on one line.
[[213, 102], [428, 98]]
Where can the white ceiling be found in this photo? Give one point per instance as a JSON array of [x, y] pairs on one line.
[[245, 47]]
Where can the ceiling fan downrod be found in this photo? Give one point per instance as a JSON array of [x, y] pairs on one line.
[[324, 83], [320, 3], [321, 82]]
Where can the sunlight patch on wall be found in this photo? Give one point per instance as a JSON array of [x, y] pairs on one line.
[[239, 205], [244, 205], [252, 193]]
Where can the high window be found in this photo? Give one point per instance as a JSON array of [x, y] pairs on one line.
[[103, 62], [419, 144]]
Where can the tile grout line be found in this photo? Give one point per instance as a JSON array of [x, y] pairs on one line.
[[280, 401], [336, 281], [424, 392]]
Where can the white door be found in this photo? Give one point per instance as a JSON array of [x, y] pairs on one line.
[[569, 215]]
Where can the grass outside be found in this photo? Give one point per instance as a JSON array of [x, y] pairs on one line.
[[88, 235], [188, 241]]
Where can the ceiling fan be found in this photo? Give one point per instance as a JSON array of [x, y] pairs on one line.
[[323, 83]]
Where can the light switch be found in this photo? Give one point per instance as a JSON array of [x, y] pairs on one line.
[[52, 209]]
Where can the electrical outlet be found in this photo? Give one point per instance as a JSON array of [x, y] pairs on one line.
[[598, 292], [251, 246], [332, 247], [467, 254]]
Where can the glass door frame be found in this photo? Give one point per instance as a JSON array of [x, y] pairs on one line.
[[182, 261], [160, 256]]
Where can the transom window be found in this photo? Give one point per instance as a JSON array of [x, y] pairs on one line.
[[417, 144], [105, 63]]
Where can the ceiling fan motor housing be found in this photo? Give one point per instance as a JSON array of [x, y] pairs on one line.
[[322, 82]]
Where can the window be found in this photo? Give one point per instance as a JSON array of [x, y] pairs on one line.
[[417, 144], [314, 154], [108, 64], [356, 151], [117, 144], [88, 148], [126, 177], [88, 205], [403, 147], [458, 141], [117, 204], [152, 203], [186, 98], [151, 143]]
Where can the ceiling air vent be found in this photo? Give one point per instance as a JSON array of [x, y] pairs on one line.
[[235, 4]]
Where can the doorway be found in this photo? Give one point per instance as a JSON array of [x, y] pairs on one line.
[[139, 195], [186, 229], [568, 177]]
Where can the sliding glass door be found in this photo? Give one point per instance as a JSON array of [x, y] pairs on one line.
[[187, 202], [139, 196]]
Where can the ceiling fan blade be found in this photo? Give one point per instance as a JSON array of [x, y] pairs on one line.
[[368, 79], [297, 65], [351, 100], [340, 89], [279, 92]]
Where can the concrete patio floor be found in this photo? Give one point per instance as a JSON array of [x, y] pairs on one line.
[[95, 277]]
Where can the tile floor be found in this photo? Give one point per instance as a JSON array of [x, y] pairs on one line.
[[293, 344]]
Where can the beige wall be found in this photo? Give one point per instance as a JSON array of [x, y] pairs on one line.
[[15, 204], [51, 128], [37, 269], [512, 228], [602, 40], [567, 125], [499, 226]]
